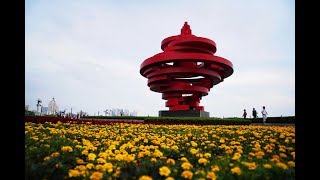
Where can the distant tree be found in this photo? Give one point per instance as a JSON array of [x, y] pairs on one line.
[[29, 113]]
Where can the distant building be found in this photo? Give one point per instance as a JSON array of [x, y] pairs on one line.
[[134, 113], [126, 112], [53, 108], [44, 110]]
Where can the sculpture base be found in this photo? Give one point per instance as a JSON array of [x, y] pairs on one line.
[[184, 113]]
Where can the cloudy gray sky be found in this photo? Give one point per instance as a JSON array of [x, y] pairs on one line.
[[87, 54]]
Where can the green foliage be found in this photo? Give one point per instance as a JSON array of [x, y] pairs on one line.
[[284, 119], [29, 113], [179, 120], [197, 120]]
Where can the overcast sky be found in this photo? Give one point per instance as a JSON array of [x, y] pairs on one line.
[[87, 54]]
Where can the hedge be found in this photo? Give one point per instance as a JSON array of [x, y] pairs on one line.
[[284, 119]]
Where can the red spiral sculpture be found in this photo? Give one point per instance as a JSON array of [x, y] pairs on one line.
[[186, 70]]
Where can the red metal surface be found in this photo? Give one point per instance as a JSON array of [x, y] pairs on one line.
[[186, 70]]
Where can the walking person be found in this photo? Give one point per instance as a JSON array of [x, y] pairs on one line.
[[244, 114], [264, 114], [254, 113]]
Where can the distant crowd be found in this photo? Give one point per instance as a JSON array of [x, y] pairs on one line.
[[70, 116]]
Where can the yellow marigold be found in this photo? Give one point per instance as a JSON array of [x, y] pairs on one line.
[[47, 145], [66, 149], [259, 154], [171, 161], [89, 165], [293, 141], [119, 157], [215, 168], [117, 151], [144, 177], [96, 175], [236, 170], [153, 159], [236, 156], [91, 157], [252, 154], [193, 151], [186, 165], [211, 175], [199, 155], [194, 144], [251, 166], [55, 154], [169, 178], [184, 159], [293, 154], [128, 158], [46, 158], [107, 167], [157, 153], [203, 161], [283, 155], [163, 157], [269, 151], [83, 173], [187, 174], [84, 152], [175, 147], [229, 151], [282, 150], [275, 157], [282, 165], [103, 155], [58, 165], [201, 172], [267, 166], [291, 164], [141, 154], [164, 171], [81, 168], [272, 140], [117, 173], [79, 161], [73, 173], [101, 160], [99, 167], [222, 140], [207, 155]]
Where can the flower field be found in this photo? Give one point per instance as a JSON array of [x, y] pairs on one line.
[[148, 151]]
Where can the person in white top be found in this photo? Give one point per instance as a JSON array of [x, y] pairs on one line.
[[264, 114]]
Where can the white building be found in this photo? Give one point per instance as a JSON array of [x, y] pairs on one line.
[[53, 108]]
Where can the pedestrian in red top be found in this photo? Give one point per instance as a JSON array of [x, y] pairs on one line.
[[244, 114]]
